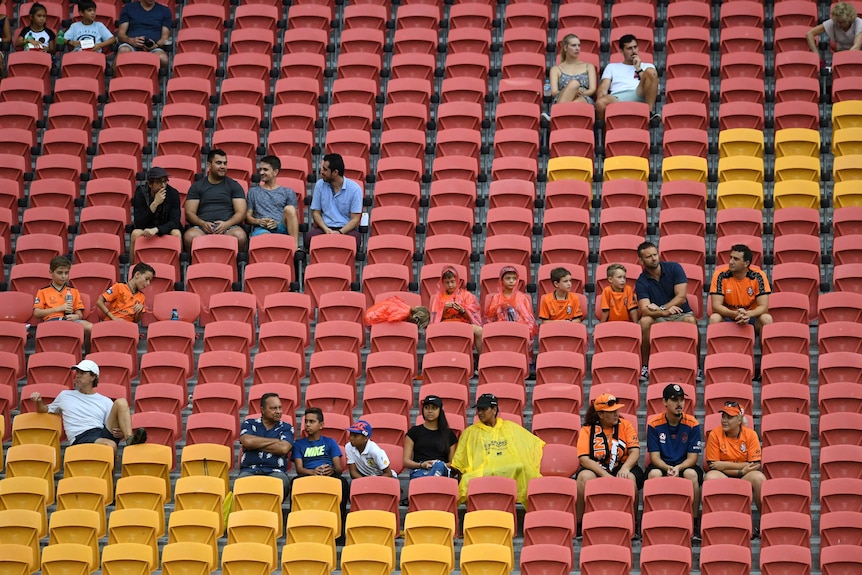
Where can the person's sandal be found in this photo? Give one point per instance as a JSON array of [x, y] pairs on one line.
[[139, 436]]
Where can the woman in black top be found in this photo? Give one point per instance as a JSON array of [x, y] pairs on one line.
[[428, 448]]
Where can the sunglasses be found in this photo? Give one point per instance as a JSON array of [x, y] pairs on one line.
[[731, 404], [609, 403]]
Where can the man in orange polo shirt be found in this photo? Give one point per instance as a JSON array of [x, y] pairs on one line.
[[739, 292]]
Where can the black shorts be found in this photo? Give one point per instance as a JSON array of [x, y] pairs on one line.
[[697, 469], [636, 471], [91, 435]]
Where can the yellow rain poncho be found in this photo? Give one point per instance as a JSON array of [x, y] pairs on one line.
[[505, 450]]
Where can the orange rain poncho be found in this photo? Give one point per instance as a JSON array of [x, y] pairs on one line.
[[439, 311], [391, 309], [516, 307]]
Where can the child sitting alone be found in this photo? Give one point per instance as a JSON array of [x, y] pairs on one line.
[[561, 304]]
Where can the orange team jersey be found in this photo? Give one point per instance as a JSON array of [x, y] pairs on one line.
[[743, 449], [740, 293], [121, 301], [607, 451], [49, 297], [555, 309], [618, 304]]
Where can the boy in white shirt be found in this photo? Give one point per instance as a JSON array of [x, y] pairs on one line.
[[88, 34], [364, 457], [628, 81]]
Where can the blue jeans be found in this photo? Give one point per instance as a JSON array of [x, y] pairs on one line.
[[439, 468]]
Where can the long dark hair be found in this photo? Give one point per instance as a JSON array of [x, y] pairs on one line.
[[591, 417], [443, 431]]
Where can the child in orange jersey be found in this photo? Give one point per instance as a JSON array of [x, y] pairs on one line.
[[561, 304], [618, 298], [125, 301]]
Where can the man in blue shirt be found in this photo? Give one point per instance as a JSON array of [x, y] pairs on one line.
[[661, 294], [336, 203], [145, 26], [674, 444], [266, 442]]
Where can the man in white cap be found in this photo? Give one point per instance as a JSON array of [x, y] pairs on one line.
[[88, 416]]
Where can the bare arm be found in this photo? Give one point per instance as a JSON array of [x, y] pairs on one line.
[[166, 34], [605, 315], [762, 306], [239, 211], [251, 442], [812, 35], [593, 466], [300, 470], [192, 216], [338, 465], [36, 398], [719, 307], [351, 225], [631, 459], [317, 216], [604, 87], [124, 38], [554, 79], [408, 455], [354, 473], [591, 73]]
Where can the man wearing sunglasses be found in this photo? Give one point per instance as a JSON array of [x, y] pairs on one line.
[[674, 444]]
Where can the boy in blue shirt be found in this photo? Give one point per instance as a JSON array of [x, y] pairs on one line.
[[88, 34]]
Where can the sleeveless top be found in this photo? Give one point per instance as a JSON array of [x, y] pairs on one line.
[[582, 78]]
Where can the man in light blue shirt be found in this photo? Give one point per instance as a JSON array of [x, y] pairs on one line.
[[336, 203]]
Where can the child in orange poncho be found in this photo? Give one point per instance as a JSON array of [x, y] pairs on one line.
[[394, 309], [511, 304], [453, 302]]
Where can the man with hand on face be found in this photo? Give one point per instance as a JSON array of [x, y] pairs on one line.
[[266, 442], [216, 204], [155, 209], [631, 80]]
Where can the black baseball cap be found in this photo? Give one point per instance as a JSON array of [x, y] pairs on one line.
[[433, 400], [486, 400], [673, 390]]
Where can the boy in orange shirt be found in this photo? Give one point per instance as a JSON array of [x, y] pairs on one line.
[[125, 301], [618, 299], [52, 301], [561, 304]]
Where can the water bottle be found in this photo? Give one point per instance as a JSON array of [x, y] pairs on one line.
[[547, 89], [27, 39], [61, 37], [510, 314], [69, 300], [175, 316]]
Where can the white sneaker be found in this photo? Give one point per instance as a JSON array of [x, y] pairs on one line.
[[644, 373], [546, 117]]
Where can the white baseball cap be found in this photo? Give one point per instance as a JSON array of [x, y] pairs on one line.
[[87, 365]]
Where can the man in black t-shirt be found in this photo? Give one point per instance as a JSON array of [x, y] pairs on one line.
[[216, 204]]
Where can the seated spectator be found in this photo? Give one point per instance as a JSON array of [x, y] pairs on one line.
[[430, 446], [125, 301], [58, 301], [453, 302], [88, 34], [364, 457], [674, 444], [145, 26], [844, 28], [494, 446], [155, 209], [393, 309], [608, 446], [740, 292], [628, 81], [618, 298], [511, 304], [37, 36], [733, 450], [572, 80], [336, 203], [88, 416], [561, 304], [266, 443], [216, 204], [272, 208]]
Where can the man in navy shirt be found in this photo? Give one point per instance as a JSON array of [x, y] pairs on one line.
[[145, 26], [266, 442], [661, 293]]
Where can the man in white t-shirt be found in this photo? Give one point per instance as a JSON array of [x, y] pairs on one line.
[[89, 417], [364, 457], [628, 81]]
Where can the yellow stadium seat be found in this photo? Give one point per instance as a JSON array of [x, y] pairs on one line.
[[75, 493], [197, 526], [2, 433], [371, 526], [32, 460], [626, 168], [206, 493], [149, 459], [740, 195], [847, 114], [740, 142], [254, 526], [21, 527], [187, 558], [847, 141], [127, 559], [844, 169], [490, 526], [76, 526], [570, 168], [366, 559], [42, 428], [425, 559], [306, 558], [317, 492], [17, 559], [91, 460], [313, 526], [689, 168], [136, 526], [794, 194], [485, 559], [433, 527], [260, 492], [740, 168], [26, 493], [246, 559], [207, 459], [143, 492], [797, 169], [846, 194], [797, 142], [67, 559]]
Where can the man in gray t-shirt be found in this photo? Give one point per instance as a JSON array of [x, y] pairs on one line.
[[216, 204], [272, 208]]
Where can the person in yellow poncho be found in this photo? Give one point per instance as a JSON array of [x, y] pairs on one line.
[[496, 447]]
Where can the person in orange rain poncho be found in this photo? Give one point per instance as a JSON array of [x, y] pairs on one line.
[[497, 447], [394, 309], [511, 304], [453, 302]]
